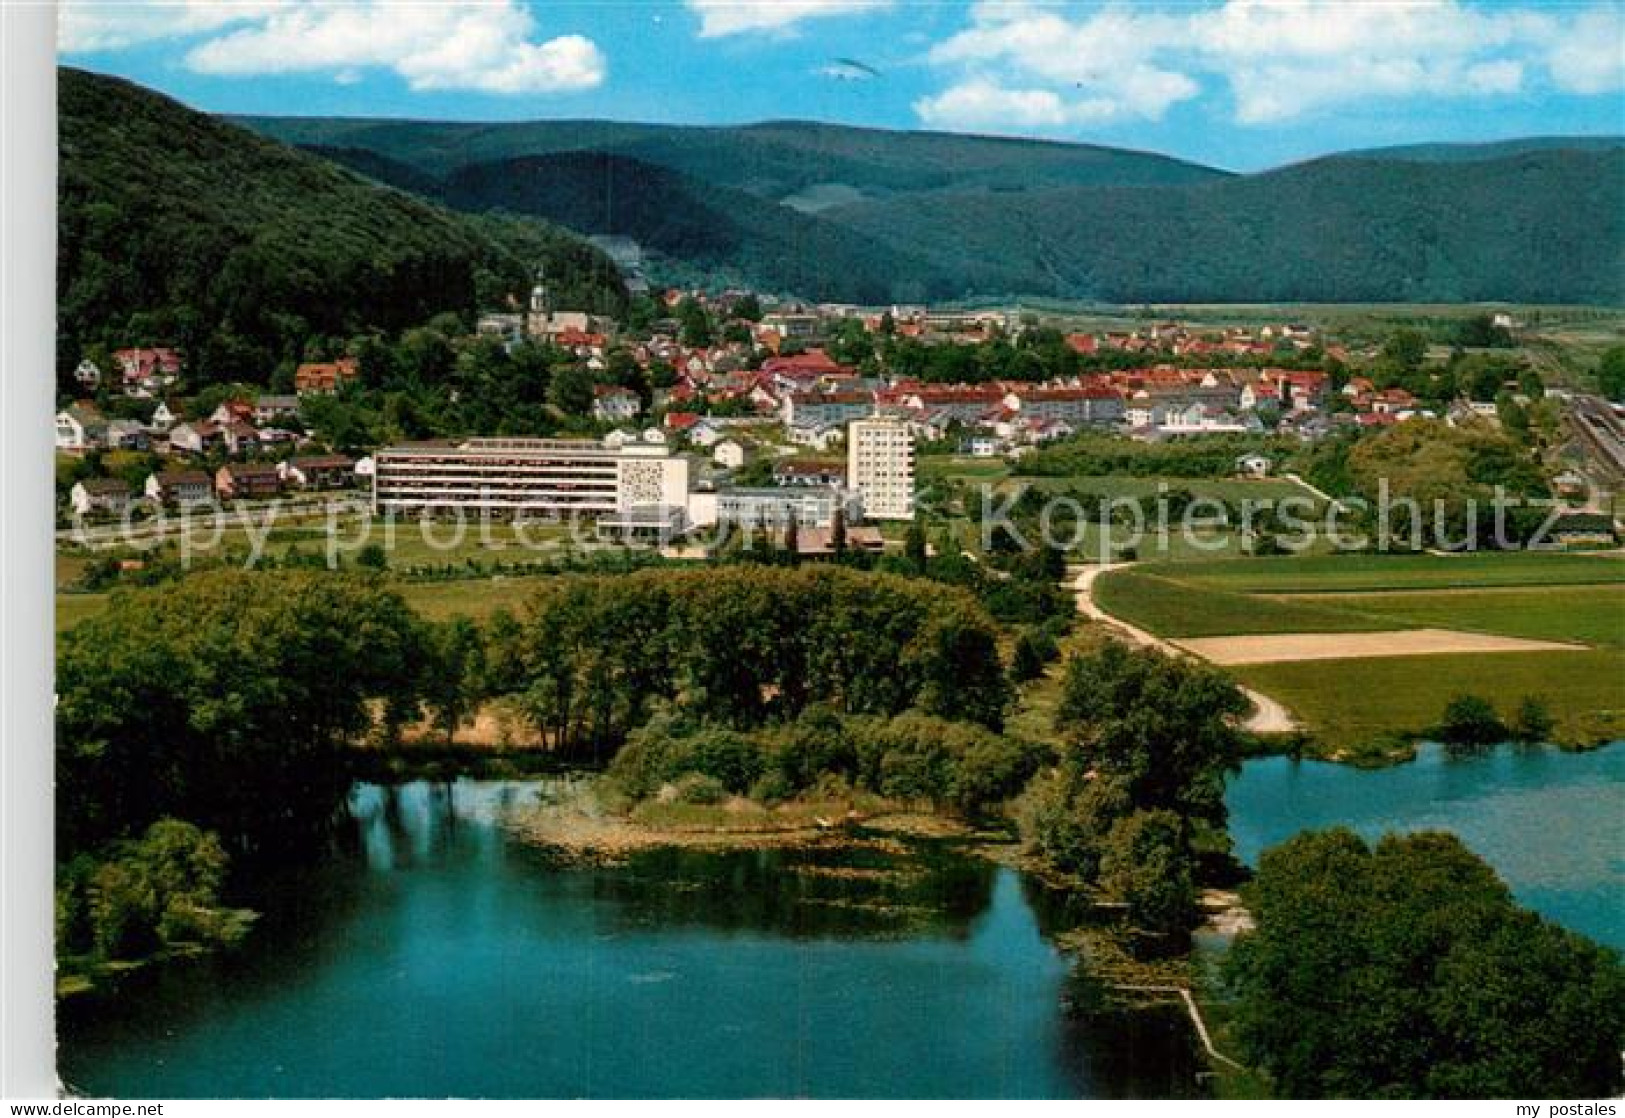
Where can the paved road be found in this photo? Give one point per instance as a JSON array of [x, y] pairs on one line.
[[1267, 717]]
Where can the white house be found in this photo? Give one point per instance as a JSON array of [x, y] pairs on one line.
[[79, 428], [99, 494], [821, 439], [162, 418], [194, 438], [87, 373], [728, 453], [705, 434], [613, 404], [1253, 465]]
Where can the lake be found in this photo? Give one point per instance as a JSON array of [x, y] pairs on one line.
[[442, 957], [1551, 823], [445, 958]]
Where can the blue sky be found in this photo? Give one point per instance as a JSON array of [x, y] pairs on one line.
[[1243, 84]]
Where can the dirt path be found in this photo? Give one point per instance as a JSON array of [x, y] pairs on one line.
[[1268, 716]]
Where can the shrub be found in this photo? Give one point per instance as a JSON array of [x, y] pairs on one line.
[[1533, 722], [1471, 720], [698, 788]]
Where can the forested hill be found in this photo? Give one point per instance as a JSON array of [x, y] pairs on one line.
[[781, 161], [1539, 227], [1492, 149], [942, 216], [177, 227], [714, 228]]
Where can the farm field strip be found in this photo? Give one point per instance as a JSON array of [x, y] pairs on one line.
[[1379, 646], [1592, 614], [1269, 648], [1369, 573]]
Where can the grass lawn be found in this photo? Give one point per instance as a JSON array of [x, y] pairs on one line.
[[1593, 615], [1326, 573], [1171, 607], [1349, 702], [1232, 490], [437, 601], [472, 598], [74, 608], [1034, 715]]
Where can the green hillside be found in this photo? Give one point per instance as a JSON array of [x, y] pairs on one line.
[[1541, 227], [1494, 149], [776, 160], [703, 225], [932, 215], [176, 227]]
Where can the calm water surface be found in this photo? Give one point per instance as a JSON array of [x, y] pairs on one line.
[[1551, 823], [446, 959]]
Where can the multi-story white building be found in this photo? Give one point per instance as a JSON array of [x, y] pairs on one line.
[[776, 507], [880, 467], [537, 477]]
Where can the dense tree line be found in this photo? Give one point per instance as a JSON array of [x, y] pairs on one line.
[[913, 757], [1136, 806], [176, 228], [141, 895], [1406, 970], [588, 657], [227, 700]]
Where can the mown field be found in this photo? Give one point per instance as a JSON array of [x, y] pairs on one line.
[[476, 598], [1330, 573], [1347, 702]]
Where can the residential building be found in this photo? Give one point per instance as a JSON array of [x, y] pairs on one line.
[[195, 438], [880, 467], [180, 487], [803, 471], [614, 404], [323, 378], [88, 373], [546, 477], [125, 434], [100, 494], [79, 428], [775, 506], [826, 409], [1077, 406], [325, 471], [237, 480], [269, 409], [729, 453], [144, 372]]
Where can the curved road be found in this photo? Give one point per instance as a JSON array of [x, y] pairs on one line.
[[1268, 716]]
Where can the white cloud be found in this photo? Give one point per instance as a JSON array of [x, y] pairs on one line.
[[489, 46], [1589, 56], [981, 103], [719, 18], [97, 25], [1277, 59]]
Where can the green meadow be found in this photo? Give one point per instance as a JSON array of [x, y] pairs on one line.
[[1345, 703]]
